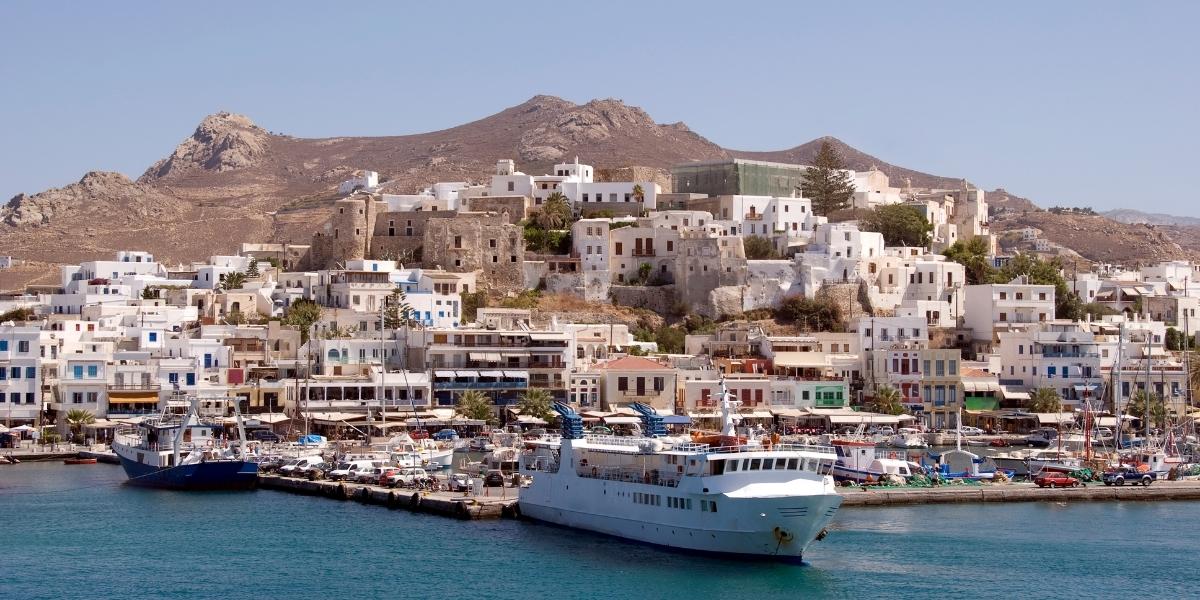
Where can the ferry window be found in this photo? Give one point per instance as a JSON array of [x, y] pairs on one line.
[[768, 464], [809, 465], [718, 467], [793, 464], [733, 465], [780, 464], [704, 505], [687, 503], [713, 505], [755, 464]]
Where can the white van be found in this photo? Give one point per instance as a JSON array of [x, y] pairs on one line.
[[299, 465], [349, 470]]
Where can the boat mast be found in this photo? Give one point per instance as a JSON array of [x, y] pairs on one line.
[[1149, 383], [1117, 384]]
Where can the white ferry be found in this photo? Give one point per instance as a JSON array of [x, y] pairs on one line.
[[733, 496]]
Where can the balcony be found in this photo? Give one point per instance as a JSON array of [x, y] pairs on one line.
[[753, 217], [134, 387], [1070, 355], [644, 253], [554, 364], [480, 385]]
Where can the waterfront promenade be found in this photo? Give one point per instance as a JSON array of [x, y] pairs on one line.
[[491, 503], [1018, 492]]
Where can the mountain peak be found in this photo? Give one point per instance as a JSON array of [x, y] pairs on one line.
[[223, 141]]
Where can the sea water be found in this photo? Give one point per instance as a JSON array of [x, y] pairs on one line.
[[80, 532]]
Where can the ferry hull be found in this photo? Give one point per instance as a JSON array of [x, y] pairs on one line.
[[771, 528], [213, 475]]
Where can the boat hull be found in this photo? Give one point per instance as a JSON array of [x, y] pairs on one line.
[[212, 475], [774, 528]]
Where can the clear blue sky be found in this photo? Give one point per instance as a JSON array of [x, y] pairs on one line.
[[1073, 103]]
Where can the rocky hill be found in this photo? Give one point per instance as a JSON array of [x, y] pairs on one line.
[[1133, 217], [233, 181]]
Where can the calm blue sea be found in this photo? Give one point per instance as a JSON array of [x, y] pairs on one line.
[[77, 532]]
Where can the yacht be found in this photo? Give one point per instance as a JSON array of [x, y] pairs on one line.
[[908, 437], [859, 462], [728, 495], [180, 449]]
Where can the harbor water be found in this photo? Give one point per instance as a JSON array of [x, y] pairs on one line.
[[79, 532]]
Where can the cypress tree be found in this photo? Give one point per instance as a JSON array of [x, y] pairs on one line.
[[826, 182]]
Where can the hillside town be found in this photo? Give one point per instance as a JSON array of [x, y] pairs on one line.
[[423, 310]]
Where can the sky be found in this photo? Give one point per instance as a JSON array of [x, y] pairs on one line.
[[1066, 103]]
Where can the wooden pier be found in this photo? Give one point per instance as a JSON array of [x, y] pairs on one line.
[[1019, 492], [498, 503]]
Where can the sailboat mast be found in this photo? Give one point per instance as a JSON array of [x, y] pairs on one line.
[[1149, 383]]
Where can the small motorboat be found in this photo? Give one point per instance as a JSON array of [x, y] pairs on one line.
[[79, 460], [999, 443]]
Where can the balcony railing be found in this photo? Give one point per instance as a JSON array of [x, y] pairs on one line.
[[481, 385], [646, 253], [753, 217], [1070, 355], [134, 387]]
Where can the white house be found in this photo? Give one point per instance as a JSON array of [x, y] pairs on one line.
[[992, 307]]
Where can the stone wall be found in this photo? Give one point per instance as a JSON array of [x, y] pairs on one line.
[[705, 264], [346, 234], [477, 241], [660, 299], [588, 210], [513, 208], [635, 173]]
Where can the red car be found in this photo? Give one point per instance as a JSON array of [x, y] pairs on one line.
[[1054, 479], [419, 434]]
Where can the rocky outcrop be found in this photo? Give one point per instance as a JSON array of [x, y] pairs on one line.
[[96, 190], [222, 142], [590, 123]]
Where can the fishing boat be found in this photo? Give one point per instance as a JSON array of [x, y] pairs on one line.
[[181, 449], [859, 462], [79, 460], [908, 437], [749, 499]]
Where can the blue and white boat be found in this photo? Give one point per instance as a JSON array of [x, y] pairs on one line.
[[180, 449]]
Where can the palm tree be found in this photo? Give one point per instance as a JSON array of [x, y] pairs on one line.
[[639, 193], [233, 281], [77, 418], [537, 403], [472, 404], [1158, 408], [555, 212], [886, 401], [1045, 400]]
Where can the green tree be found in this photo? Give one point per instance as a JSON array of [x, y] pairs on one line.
[[537, 402], [1044, 400], [252, 270], [302, 314], [1158, 408], [555, 212], [235, 317], [397, 312], [77, 418], [472, 404], [1043, 272], [471, 303], [17, 314], [644, 270], [639, 193], [972, 255], [149, 293], [815, 314], [826, 182], [233, 281], [758, 247], [886, 401], [900, 224], [670, 339]]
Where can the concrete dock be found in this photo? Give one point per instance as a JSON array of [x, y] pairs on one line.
[[1019, 492], [498, 503]]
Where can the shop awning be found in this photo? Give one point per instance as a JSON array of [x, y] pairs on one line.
[[530, 420], [1013, 394], [138, 398], [268, 418], [496, 374], [787, 412], [622, 420], [703, 415], [800, 360], [443, 374], [485, 356], [757, 414], [870, 419], [1055, 418], [977, 403], [546, 337], [516, 375]]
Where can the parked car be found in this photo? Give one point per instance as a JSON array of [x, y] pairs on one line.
[[296, 467], [373, 475], [419, 434], [534, 434], [1055, 479], [968, 430], [494, 478], [1129, 474], [406, 477], [265, 435], [350, 470], [445, 435], [315, 471], [460, 482]]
